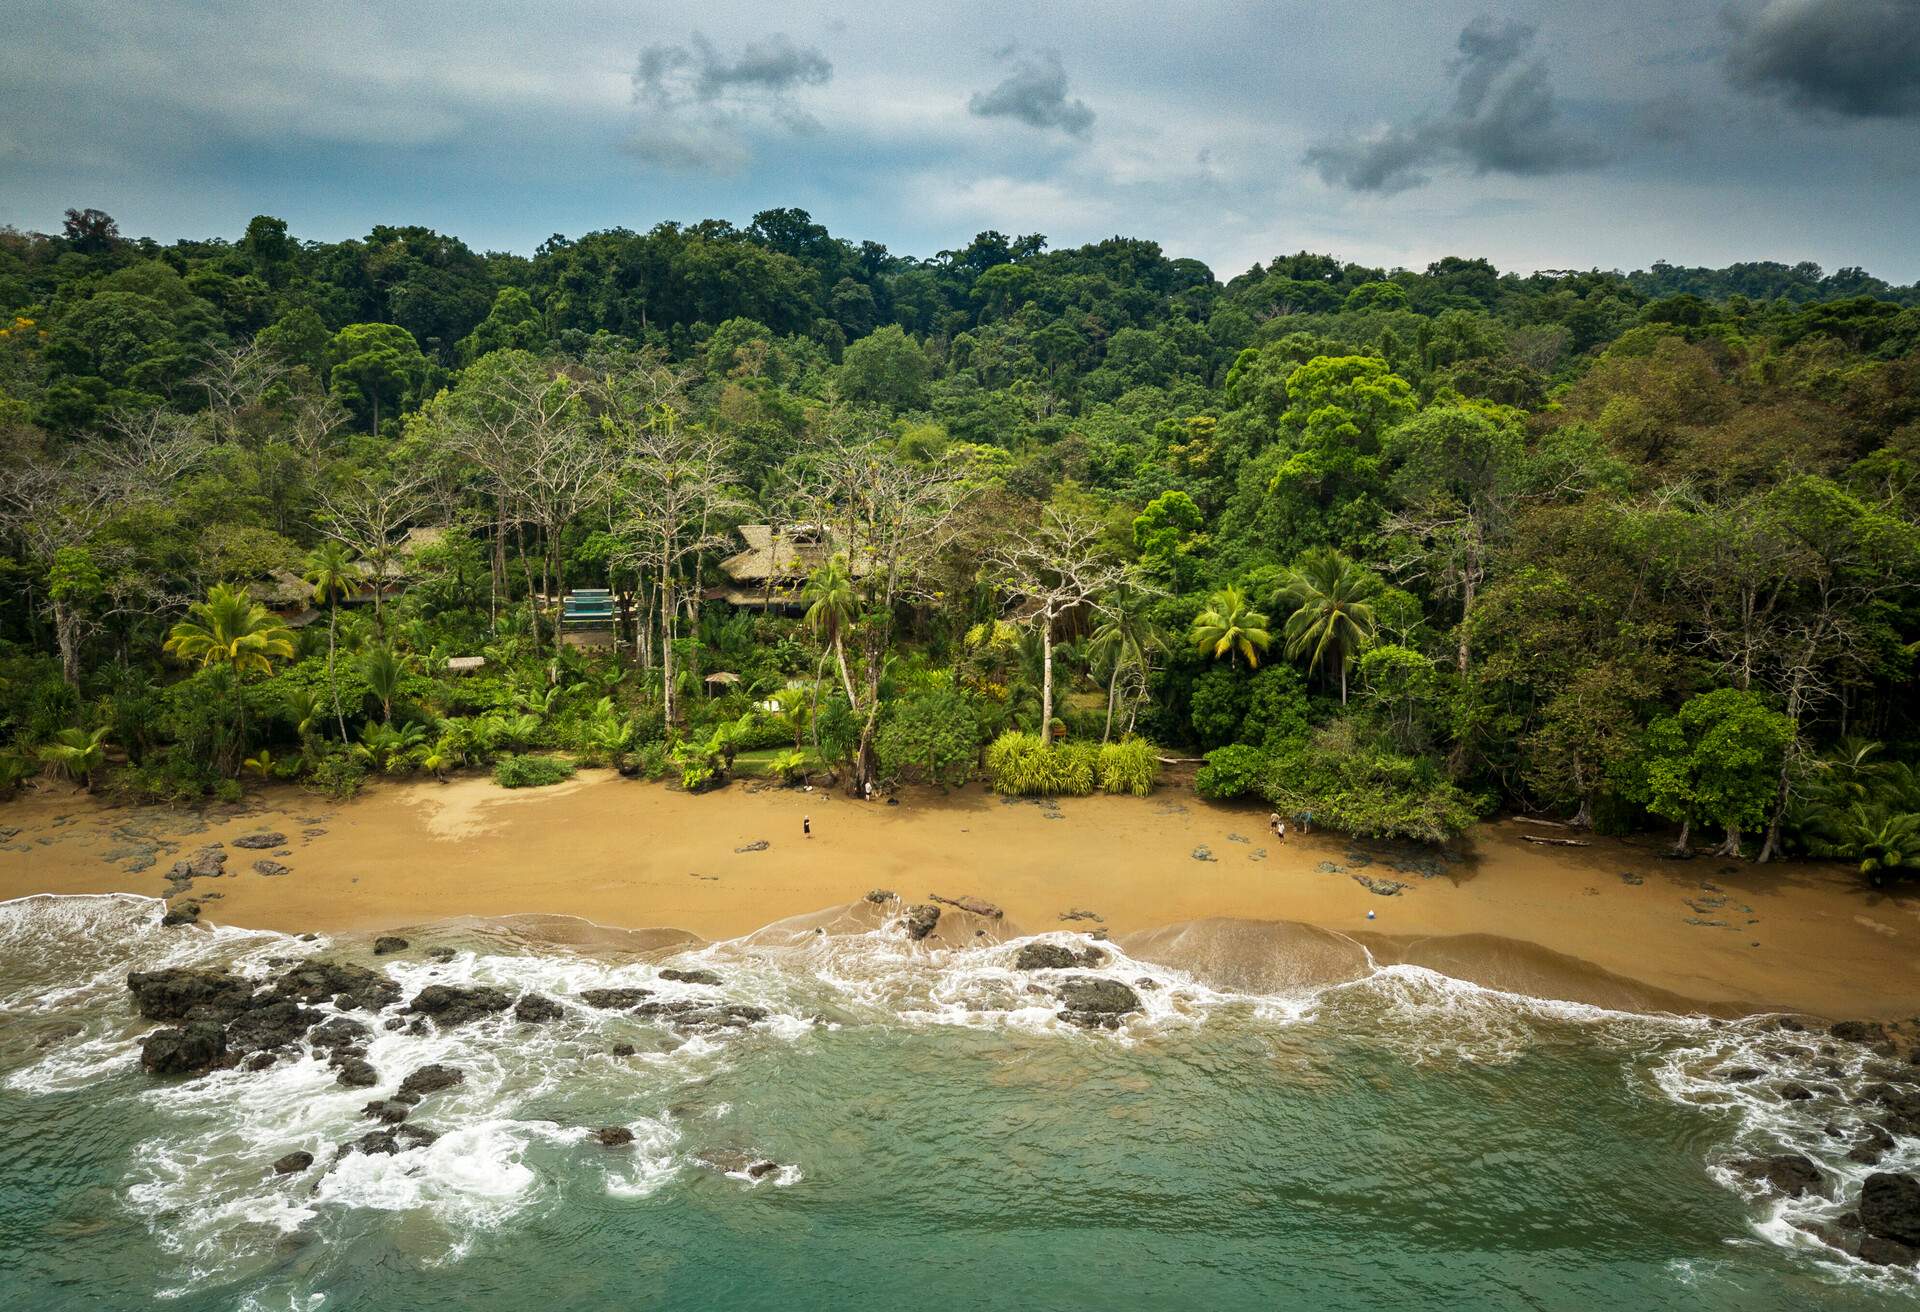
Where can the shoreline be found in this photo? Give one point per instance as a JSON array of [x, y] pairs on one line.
[[1612, 923]]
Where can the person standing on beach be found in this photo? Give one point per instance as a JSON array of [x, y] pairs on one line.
[[806, 825], [1273, 823]]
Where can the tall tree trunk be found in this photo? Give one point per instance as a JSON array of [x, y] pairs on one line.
[[66, 632], [498, 561], [846, 681], [1113, 685], [1343, 683], [1046, 676], [666, 629], [333, 684], [1466, 610], [1680, 844]]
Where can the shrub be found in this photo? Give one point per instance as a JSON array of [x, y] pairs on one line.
[[1277, 707], [531, 771], [1230, 772], [933, 734], [1129, 766], [651, 758], [1020, 765], [1220, 698], [1366, 790], [337, 773]]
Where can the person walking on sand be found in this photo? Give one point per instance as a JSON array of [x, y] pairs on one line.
[[1273, 823], [806, 826]]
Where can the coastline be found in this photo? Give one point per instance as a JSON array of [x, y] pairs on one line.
[[1173, 877]]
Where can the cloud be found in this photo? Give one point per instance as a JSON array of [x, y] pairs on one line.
[[1852, 58], [1035, 92], [1503, 119], [703, 104]]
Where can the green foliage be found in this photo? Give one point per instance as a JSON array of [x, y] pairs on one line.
[[1231, 772], [77, 754], [1230, 627], [1345, 782], [1219, 705], [373, 367], [1128, 766], [1717, 761], [1021, 765], [1276, 710], [933, 735], [512, 771]]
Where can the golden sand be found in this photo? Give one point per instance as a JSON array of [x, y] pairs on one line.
[[622, 853]]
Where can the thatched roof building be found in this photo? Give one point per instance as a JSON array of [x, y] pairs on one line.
[[778, 566]]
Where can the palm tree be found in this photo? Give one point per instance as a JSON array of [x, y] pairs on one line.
[[230, 631], [1880, 838], [383, 668], [77, 754], [331, 573], [830, 611], [1332, 621], [1230, 627], [1124, 638]]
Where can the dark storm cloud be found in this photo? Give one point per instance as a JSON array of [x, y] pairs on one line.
[[1854, 58], [1503, 120], [1035, 92]]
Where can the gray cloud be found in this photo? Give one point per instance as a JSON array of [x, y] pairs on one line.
[[1503, 120], [702, 103], [1853, 58], [1034, 92]]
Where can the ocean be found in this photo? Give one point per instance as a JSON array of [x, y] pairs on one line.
[[906, 1127]]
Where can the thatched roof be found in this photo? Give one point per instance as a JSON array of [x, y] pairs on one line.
[[801, 549], [724, 676]]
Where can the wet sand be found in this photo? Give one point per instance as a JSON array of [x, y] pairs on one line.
[[1612, 922]]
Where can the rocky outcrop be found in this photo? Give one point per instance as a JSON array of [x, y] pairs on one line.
[[613, 1136], [920, 920], [1882, 1251], [1890, 1208], [451, 1005], [388, 1142], [691, 976], [181, 913], [536, 1009], [615, 999], [429, 1079], [1791, 1174], [357, 1073], [171, 993], [339, 1032], [209, 862], [195, 1047], [441, 954], [1056, 956], [275, 1025], [1092, 1002], [293, 1163], [261, 841], [387, 944], [1859, 1031], [881, 896], [349, 987], [973, 906], [388, 1111], [688, 1014]]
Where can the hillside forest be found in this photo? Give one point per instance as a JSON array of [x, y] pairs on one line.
[[1392, 549]]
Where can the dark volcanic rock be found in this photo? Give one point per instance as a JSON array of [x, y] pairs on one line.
[[209, 862], [429, 1079], [389, 1142], [170, 994], [614, 999], [1882, 1251], [450, 1004], [1859, 1031], [1870, 1150], [357, 1073], [388, 1111], [881, 896], [198, 1046], [920, 920], [730, 1161], [688, 1014], [354, 988], [441, 954], [1794, 1091], [1785, 1173], [1741, 1074], [1056, 956], [276, 1025], [623, 1050], [536, 1009], [181, 913], [261, 841], [389, 943], [266, 867], [1890, 1207], [339, 1033], [1089, 1001], [259, 1061], [293, 1163], [613, 1136], [691, 976]]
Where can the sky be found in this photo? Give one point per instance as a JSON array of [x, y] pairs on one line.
[[1560, 134]]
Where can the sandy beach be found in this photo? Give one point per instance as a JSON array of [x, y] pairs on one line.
[[1612, 923]]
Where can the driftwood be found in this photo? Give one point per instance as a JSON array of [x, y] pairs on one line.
[[1181, 760], [1534, 820], [1555, 842], [971, 905]]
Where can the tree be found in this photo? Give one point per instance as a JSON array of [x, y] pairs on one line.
[[1166, 533], [334, 579], [232, 633], [934, 732], [1715, 761], [374, 364], [383, 668], [1332, 621], [1230, 627], [77, 754], [369, 515], [831, 607], [886, 368], [1050, 572], [1124, 640]]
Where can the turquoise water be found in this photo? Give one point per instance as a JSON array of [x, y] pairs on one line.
[[1399, 1141]]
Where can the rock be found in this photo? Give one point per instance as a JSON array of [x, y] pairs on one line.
[[615, 999], [429, 1079], [1882, 1251], [689, 1014], [276, 1025], [293, 1164], [1859, 1031], [1089, 1001], [758, 845], [271, 868], [1890, 1207], [613, 1136], [536, 1009], [357, 1073], [973, 906], [388, 1111], [258, 1062], [450, 1005], [1204, 853], [171, 993], [1794, 1091], [209, 862], [198, 1046], [1055, 956], [730, 1161], [441, 954], [1381, 887], [920, 920], [387, 944], [1871, 1149], [1791, 1174], [881, 896], [261, 841], [623, 1050], [1741, 1074], [338, 1033], [389, 1142], [181, 913], [349, 987], [691, 976]]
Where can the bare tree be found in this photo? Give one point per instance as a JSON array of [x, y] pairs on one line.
[[370, 517], [1050, 572], [239, 379]]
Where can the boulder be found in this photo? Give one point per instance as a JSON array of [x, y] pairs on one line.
[[920, 920], [614, 999], [171, 993], [1741, 1074], [613, 1136], [623, 1050], [349, 987], [881, 896], [451, 1005], [536, 1009], [261, 841], [389, 1142], [387, 944], [209, 862], [730, 1161], [1882, 1251], [1859, 1031], [357, 1073], [429, 1079], [1794, 1091], [691, 976], [441, 954], [688, 1014], [293, 1163], [388, 1111], [275, 1025], [1056, 956], [181, 913], [1890, 1207], [1791, 1174], [195, 1047], [271, 868], [1871, 1149], [339, 1032], [1089, 1001]]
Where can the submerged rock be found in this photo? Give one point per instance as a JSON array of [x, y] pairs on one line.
[[1381, 887], [615, 999], [388, 1111], [1056, 956], [1859, 1031], [613, 1136], [293, 1163], [689, 1014], [181, 913], [920, 920], [1792, 1174], [1794, 1091], [450, 1005], [1881, 1251], [389, 1142], [198, 1046], [623, 1050], [441, 954], [707, 977], [388, 944], [1890, 1207], [536, 1009], [350, 987], [338, 1033], [171, 993], [731, 1161], [261, 841], [429, 1079]]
